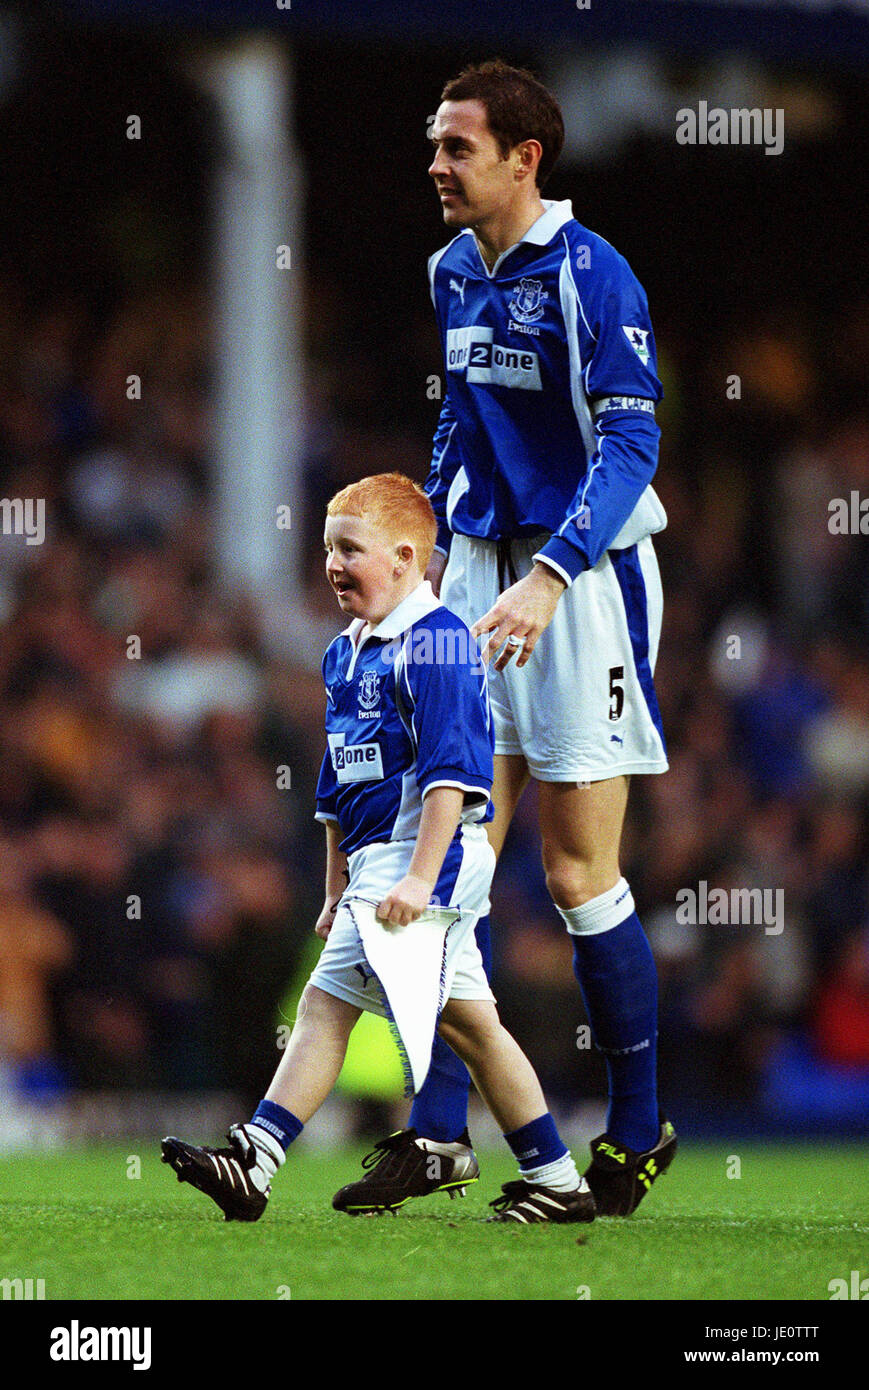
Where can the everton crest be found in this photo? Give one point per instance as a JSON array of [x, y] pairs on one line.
[[528, 302], [369, 692]]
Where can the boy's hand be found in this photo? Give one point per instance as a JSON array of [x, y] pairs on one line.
[[405, 902], [326, 918]]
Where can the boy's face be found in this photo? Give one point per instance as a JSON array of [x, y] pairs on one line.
[[361, 567]]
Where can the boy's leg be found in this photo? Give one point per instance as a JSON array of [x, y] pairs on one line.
[[502, 1073], [315, 1053], [550, 1188], [306, 1074], [440, 1107], [239, 1178]]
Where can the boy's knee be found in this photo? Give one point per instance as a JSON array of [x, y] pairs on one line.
[[312, 1000], [469, 1032], [318, 1007], [452, 1036]]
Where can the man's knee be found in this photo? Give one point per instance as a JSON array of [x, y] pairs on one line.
[[581, 830], [572, 882]]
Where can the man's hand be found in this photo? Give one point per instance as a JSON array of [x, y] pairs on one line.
[[435, 571], [522, 612], [323, 925], [405, 902]]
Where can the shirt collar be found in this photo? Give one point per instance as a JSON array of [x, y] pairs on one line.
[[414, 606], [551, 220], [540, 233]]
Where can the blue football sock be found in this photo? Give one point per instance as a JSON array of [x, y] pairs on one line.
[[619, 982], [440, 1107], [281, 1124], [537, 1143]]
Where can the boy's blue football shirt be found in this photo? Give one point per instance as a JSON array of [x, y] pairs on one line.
[[407, 710]]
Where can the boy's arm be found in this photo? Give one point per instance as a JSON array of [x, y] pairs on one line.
[[441, 810], [336, 878]]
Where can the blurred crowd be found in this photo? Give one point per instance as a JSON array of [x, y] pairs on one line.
[[159, 876], [156, 867]]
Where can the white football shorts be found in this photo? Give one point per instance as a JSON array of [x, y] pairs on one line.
[[343, 969], [584, 707]]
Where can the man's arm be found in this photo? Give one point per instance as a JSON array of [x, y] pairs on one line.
[[446, 458], [621, 469], [607, 327], [445, 464], [610, 330]]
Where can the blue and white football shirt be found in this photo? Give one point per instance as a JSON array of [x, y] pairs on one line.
[[407, 710], [548, 420]]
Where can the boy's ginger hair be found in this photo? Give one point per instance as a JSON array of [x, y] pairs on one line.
[[396, 505]]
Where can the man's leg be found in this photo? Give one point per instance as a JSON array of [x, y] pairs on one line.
[[511, 779], [440, 1108], [581, 829]]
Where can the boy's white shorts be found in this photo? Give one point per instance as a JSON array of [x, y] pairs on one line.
[[343, 969], [584, 707]]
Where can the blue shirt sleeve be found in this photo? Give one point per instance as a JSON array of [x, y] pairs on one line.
[[615, 340], [327, 788], [327, 782], [624, 464], [622, 360], [445, 463], [444, 683]]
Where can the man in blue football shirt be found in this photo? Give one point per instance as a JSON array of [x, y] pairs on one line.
[[403, 792], [540, 480]]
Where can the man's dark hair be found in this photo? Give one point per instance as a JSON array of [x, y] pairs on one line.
[[518, 108]]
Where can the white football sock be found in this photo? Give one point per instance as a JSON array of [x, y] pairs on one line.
[[270, 1156], [599, 914], [561, 1175]]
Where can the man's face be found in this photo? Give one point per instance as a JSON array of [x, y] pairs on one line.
[[361, 566], [472, 178]]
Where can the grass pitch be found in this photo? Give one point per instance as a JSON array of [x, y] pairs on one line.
[[795, 1218]]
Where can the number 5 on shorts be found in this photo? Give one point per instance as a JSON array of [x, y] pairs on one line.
[[617, 694]]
